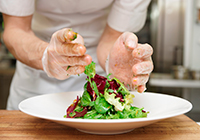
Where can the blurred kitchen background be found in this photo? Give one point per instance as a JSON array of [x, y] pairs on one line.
[[173, 29]]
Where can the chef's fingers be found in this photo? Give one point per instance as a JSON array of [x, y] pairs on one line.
[[140, 80], [64, 72], [56, 71], [71, 49], [65, 35], [142, 51], [75, 60], [74, 70], [78, 40], [130, 40], [141, 88], [144, 67]]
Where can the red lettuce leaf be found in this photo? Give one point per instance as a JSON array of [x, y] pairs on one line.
[[101, 83], [71, 108], [81, 114]]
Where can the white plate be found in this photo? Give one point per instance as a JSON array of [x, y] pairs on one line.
[[53, 107]]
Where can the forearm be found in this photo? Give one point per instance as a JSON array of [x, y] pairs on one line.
[[106, 42], [25, 46]]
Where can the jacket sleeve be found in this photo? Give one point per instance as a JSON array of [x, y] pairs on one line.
[[128, 15], [17, 7]]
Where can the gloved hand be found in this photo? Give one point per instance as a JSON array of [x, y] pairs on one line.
[[130, 62], [65, 55]]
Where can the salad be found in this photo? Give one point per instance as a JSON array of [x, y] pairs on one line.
[[103, 98]]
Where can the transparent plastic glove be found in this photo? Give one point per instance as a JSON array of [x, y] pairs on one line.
[[130, 62], [65, 55]]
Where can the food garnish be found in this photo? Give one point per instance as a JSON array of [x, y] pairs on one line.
[[103, 98]]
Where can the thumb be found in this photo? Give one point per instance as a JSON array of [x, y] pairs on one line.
[[130, 40], [65, 35]]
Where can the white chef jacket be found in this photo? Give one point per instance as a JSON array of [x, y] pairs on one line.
[[87, 17]]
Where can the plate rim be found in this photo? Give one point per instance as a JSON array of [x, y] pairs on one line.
[[105, 120]]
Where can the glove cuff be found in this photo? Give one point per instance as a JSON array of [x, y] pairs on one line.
[[107, 65], [44, 63]]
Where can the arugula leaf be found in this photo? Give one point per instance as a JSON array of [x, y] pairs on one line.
[[122, 88], [90, 114], [108, 76], [78, 109], [85, 99], [107, 84], [91, 103], [101, 105], [85, 86], [72, 114], [110, 90], [94, 87], [90, 70], [121, 84]]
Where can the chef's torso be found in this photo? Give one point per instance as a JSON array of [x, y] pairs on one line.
[[86, 17]]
